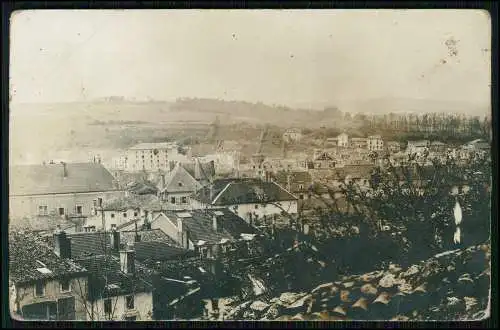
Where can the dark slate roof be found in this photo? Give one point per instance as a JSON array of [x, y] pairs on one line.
[[103, 267], [158, 251], [242, 191], [200, 225], [93, 243], [49, 179], [297, 178], [152, 235], [26, 249]]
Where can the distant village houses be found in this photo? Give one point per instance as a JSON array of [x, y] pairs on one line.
[[292, 135], [375, 143], [151, 157], [418, 146]]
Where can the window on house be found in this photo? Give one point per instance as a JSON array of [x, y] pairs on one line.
[[130, 302], [125, 214], [65, 286], [301, 186], [39, 289], [61, 211], [99, 201], [79, 209], [172, 200], [184, 200], [301, 196], [180, 184], [107, 306], [113, 226], [112, 215], [135, 214], [256, 206], [42, 210]]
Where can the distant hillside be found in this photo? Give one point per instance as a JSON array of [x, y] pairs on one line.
[[403, 105]]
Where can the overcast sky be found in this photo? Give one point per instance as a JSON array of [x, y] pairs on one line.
[[296, 58]]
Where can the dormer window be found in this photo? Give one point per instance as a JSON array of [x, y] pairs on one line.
[[65, 286]]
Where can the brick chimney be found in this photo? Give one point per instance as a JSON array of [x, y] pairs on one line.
[[65, 170], [115, 240], [217, 223], [62, 244], [162, 181], [127, 259]]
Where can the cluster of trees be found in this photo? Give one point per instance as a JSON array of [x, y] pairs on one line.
[[408, 213]]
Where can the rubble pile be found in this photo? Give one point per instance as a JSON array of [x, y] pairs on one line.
[[449, 286]]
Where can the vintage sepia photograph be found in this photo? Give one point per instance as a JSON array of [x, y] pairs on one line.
[[250, 165]]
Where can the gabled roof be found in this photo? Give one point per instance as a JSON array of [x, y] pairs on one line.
[[205, 170], [243, 191], [200, 225], [28, 252], [324, 156], [179, 180], [50, 179]]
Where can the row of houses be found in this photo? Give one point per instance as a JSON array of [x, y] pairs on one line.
[[116, 274]]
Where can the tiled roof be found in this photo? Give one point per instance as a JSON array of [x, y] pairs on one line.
[[28, 252], [106, 269], [86, 244], [152, 235], [241, 191], [200, 225], [450, 286], [49, 179]]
